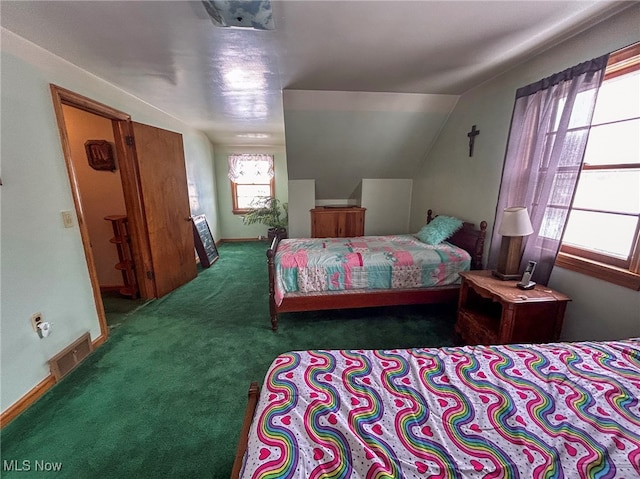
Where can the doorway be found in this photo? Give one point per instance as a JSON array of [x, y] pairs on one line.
[[155, 199], [91, 139]]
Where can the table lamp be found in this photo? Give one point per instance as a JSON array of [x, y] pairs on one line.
[[514, 226]]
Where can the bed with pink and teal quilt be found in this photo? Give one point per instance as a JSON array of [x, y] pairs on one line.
[[315, 265], [315, 274], [563, 410]]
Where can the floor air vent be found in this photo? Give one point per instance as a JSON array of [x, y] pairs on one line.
[[67, 359]]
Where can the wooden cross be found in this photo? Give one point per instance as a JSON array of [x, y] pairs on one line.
[[472, 138]]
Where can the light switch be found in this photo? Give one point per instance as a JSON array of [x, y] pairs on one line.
[[67, 219]]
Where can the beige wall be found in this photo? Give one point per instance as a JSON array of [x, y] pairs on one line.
[[451, 182], [101, 191]]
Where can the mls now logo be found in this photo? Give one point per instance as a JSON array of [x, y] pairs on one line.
[[27, 465]]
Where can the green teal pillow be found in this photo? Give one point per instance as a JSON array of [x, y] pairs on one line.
[[440, 228]]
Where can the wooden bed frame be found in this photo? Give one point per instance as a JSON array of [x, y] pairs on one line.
[[468, 238], [254, 394]]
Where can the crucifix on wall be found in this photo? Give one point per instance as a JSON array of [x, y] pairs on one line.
[[472, 138]]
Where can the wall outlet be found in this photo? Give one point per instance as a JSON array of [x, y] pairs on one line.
[[36, 319]]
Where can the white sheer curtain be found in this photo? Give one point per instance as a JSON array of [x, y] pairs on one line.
[[547, 140], [250, 168]]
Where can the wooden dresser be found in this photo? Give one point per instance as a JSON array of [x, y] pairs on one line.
[[337, 222], [492, 311]]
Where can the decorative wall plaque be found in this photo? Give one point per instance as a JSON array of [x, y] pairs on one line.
[[100, 155]]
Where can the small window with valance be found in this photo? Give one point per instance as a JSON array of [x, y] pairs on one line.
[[252, 176]]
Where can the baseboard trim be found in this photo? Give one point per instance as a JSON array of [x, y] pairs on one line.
[[37, 392], [27, 400], [238, 240], [99, 341]]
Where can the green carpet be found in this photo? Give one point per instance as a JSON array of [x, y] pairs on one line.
[[165, 396], [117, 307]]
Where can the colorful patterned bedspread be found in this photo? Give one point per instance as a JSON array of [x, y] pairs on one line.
[[367, 262], [516, 411]]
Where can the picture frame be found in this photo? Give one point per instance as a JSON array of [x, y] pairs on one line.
[[100, 155]]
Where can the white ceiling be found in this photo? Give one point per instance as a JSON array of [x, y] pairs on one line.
[[229, 82]]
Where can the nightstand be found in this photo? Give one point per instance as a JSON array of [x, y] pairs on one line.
[[492, 311]]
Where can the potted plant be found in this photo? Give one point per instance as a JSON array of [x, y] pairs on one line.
[[270, 212]]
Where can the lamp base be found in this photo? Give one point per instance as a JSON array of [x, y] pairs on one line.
[[505, 277], [509, 259]]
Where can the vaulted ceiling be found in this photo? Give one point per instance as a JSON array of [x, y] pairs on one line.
[[229, 83]]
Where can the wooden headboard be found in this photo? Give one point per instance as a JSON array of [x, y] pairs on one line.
[[469, 238]]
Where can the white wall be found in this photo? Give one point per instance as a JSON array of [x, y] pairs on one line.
[[302, 199], [388, 204], [231, 226], [340, 137], [450, 182], [201, 177], [599, 310], [43, 264]]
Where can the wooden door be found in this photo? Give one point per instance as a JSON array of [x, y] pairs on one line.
[[163, 187]]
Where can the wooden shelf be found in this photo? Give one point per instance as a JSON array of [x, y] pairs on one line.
[[129, 291], [126, 264], [484, 329]]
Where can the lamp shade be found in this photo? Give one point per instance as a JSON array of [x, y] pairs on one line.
[[515, 222]]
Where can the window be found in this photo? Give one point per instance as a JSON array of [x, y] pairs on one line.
[[251, 177], [601, 238]]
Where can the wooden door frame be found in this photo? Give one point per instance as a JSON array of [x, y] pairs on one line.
[[122, 129]]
